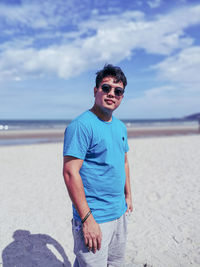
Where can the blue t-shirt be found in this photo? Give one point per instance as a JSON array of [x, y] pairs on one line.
[[102, 146]]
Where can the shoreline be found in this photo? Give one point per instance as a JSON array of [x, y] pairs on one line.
[[37, 136]]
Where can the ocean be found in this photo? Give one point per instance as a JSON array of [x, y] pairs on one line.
[[53, 129], [9, 125]]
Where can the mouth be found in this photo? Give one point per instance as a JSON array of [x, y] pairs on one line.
[[109, 101]]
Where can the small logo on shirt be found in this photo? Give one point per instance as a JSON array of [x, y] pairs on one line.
[[123, 138]]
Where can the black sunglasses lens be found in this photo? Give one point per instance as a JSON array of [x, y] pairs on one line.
[[119, 91], [106, 88]]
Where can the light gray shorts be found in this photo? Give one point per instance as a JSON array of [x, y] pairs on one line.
[[112, 252]]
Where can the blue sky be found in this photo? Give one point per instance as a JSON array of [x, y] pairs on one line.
[[50, 51]]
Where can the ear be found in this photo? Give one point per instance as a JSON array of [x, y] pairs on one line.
[[95, 91]]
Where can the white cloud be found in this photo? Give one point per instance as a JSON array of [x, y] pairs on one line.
[[27, 15], [113, 39], [182, 68], [43, 14], [157, 102], [17, 79], [154, 3], [181, 94]]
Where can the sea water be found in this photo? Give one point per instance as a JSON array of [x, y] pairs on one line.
[[7, 126]]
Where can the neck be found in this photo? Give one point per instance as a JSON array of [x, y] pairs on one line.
[[102, 114]]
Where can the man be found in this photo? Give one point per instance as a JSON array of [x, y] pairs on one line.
[[96, 174]]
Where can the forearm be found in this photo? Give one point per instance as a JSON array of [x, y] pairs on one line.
[[76, 192], [127, 189], [91, 230]]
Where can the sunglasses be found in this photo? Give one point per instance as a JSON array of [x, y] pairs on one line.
[[106, 88]]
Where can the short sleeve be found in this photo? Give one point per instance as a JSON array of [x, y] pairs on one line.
[[76, 140]]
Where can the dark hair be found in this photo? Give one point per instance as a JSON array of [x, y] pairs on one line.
[[110, 70]]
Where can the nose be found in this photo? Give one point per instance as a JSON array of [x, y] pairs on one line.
[[111, 93]]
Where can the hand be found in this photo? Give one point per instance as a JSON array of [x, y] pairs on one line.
[[129, 204], [92, 234]]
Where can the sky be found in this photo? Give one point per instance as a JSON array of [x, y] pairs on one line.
[[51, 50]]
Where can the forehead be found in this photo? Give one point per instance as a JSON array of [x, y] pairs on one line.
[[112, 81]]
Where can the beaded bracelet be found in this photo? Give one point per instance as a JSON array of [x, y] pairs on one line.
[[86, 216]]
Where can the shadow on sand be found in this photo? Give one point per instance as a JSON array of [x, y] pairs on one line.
[[31, 250]]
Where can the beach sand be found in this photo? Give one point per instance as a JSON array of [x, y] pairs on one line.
[[163, 229]]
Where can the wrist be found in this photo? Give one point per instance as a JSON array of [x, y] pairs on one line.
[[86, 216]]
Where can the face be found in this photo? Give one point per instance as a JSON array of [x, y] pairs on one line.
[[108, 101]]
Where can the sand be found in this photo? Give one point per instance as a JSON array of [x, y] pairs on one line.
[[163, 229]]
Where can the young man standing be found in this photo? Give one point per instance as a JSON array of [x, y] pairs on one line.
[[96, 174]]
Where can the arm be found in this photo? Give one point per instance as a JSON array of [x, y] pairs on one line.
[[91, 230], [127, 190]]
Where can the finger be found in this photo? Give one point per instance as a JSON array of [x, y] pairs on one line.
[[86, 241], [127, 210], [131, 208], [94, 245], [90, 244], [99, 243]]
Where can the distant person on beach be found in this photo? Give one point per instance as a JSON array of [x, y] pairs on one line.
[[96, 173]]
